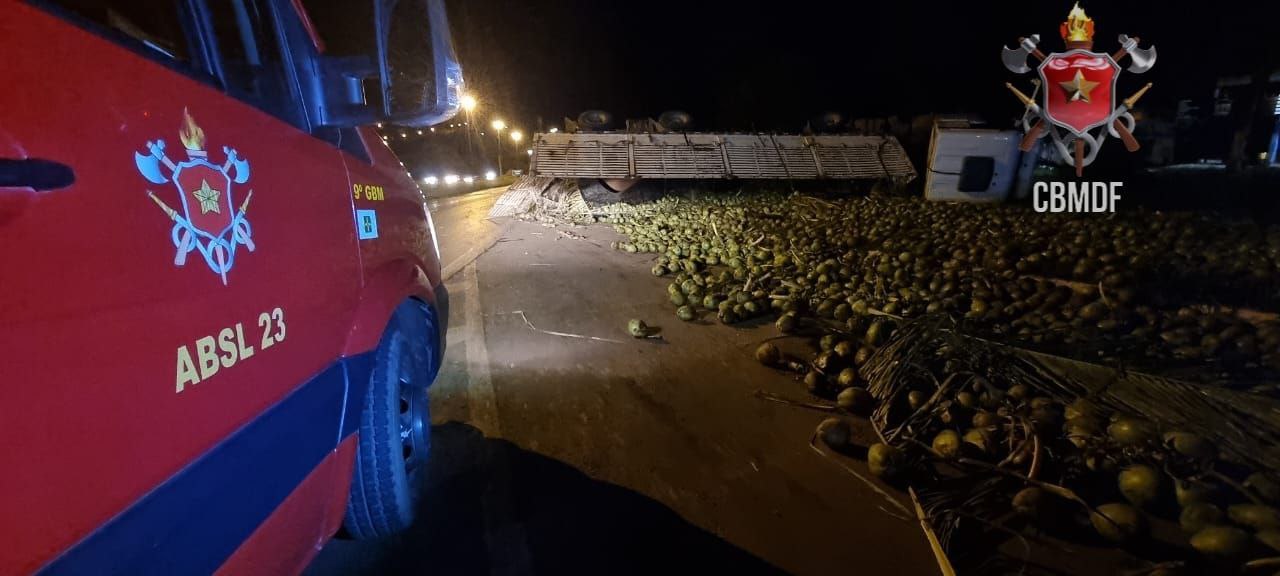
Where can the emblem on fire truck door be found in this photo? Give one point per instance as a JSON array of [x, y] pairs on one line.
[[206, 220], [1077, 92]]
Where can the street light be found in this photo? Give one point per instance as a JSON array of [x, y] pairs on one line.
[[498, 125], [468, 103], [516, 135]]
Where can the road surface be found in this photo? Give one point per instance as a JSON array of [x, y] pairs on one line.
[[563, 446]]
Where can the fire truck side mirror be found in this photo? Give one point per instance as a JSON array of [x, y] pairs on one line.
[[412, 78], [420, 74]]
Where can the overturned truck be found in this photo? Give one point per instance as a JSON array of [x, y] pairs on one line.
[[620, 160], [600, 166]]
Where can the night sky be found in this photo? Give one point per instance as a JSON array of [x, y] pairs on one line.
[[772, 66]]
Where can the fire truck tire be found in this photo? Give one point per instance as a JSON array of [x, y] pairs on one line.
[[395, 430]]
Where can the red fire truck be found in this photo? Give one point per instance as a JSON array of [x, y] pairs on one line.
[[220, 292]]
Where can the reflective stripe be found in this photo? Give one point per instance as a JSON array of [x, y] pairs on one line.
[[195, 520]]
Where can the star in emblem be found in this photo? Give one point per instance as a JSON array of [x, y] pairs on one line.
[[1078, 88], [208, 198]]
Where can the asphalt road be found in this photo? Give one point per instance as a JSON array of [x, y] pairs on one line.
[[563, 446], [462, 231]]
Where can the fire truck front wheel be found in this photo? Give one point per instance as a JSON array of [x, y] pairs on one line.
[[395, 429]]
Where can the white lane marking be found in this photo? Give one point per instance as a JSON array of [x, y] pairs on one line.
[[472, 253], [483, 406]]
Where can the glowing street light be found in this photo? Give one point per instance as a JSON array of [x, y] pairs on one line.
[[451, 179], [516, 135], [554, 130], [490, 175], [498, 125], [430, 180], [468, 102]]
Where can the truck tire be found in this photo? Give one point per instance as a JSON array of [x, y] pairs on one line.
[[395, 427]]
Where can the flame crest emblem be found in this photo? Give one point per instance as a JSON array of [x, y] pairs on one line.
[[207, 221]]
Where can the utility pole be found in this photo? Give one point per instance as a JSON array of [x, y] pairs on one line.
[[497, 134], [498, 126]]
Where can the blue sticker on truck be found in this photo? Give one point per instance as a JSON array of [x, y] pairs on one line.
[[366, 224]]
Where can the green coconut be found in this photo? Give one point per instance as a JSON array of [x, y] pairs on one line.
[[916, 399], [947, 443], [1081, 408], [659, 270], [984, 419], [1191, 491], [1191, 445], [862, 355], [835, 432], [1130, 431], [876, 334], [848, 377], [979, 438], [679, 299], [1081, 430], [1118, 522], [1028, 502], [1139, 484], [814, 382], [827, 342], [1256, 516], [637, 328], [686, 313], [786, 323], [855, 400], [768, 354], [1221, 541], [1199, 515], [883, 460], [843, 349]]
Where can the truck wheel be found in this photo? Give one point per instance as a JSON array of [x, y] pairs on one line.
[[395, 428]]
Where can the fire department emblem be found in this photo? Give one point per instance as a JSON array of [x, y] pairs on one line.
[[207, 221], [1077, 92]]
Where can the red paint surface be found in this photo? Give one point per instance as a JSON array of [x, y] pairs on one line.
[[287, 541], [95, 309]]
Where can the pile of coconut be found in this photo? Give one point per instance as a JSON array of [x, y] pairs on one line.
[[920, 314]]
